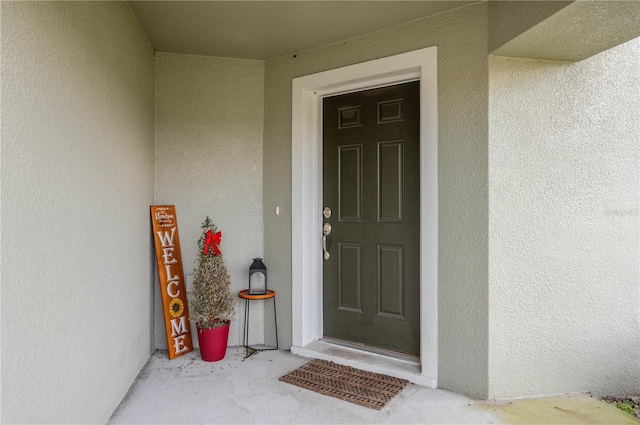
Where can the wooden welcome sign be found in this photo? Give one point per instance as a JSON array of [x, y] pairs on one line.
[[174, 293]]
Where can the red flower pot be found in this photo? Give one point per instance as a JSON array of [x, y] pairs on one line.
[[213, 342]]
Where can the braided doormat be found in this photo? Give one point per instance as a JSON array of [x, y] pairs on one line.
[[368, 389]]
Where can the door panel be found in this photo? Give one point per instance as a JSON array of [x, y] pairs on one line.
[[390, 181], [371, 174], [391, 281], [350, 182], [350, 283]]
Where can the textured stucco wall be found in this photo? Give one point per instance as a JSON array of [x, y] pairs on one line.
[[209, 121], [77, 181], [564, 231], [461, 37]]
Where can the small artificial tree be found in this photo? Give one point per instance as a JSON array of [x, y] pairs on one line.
[[213, 305]]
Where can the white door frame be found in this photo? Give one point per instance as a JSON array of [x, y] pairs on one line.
[[306, 196]]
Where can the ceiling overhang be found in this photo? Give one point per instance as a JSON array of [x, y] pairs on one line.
[[268, 29], [550, 30], [565, 31]]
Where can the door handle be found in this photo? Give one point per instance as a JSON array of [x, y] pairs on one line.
[[326, 230]]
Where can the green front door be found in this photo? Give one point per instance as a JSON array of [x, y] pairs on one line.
[[371, 195]]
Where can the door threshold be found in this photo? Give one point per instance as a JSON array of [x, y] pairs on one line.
[[404, 368], [375, 350]]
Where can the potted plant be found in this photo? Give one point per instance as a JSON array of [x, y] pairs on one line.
[[212, 305]]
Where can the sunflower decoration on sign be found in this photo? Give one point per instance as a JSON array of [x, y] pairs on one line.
[[176, 308]]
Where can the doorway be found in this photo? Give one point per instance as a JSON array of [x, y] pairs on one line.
[[371, 208], [306, 220]]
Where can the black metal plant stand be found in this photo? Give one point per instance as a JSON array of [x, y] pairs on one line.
[[244, 294]]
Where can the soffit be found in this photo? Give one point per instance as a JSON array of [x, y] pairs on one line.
[[578, 30], [268, 29]]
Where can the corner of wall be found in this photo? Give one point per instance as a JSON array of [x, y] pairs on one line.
[[564, 229]]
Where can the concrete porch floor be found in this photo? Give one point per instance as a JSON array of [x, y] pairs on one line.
[[236, 390]]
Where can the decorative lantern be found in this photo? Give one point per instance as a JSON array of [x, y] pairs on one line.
[[257, 277]]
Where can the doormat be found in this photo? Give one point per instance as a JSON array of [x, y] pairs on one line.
[[368, 389]]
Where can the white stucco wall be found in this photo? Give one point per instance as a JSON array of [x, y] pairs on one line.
[[564, 157], [77, 182], [209, 120], [461, 37]]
